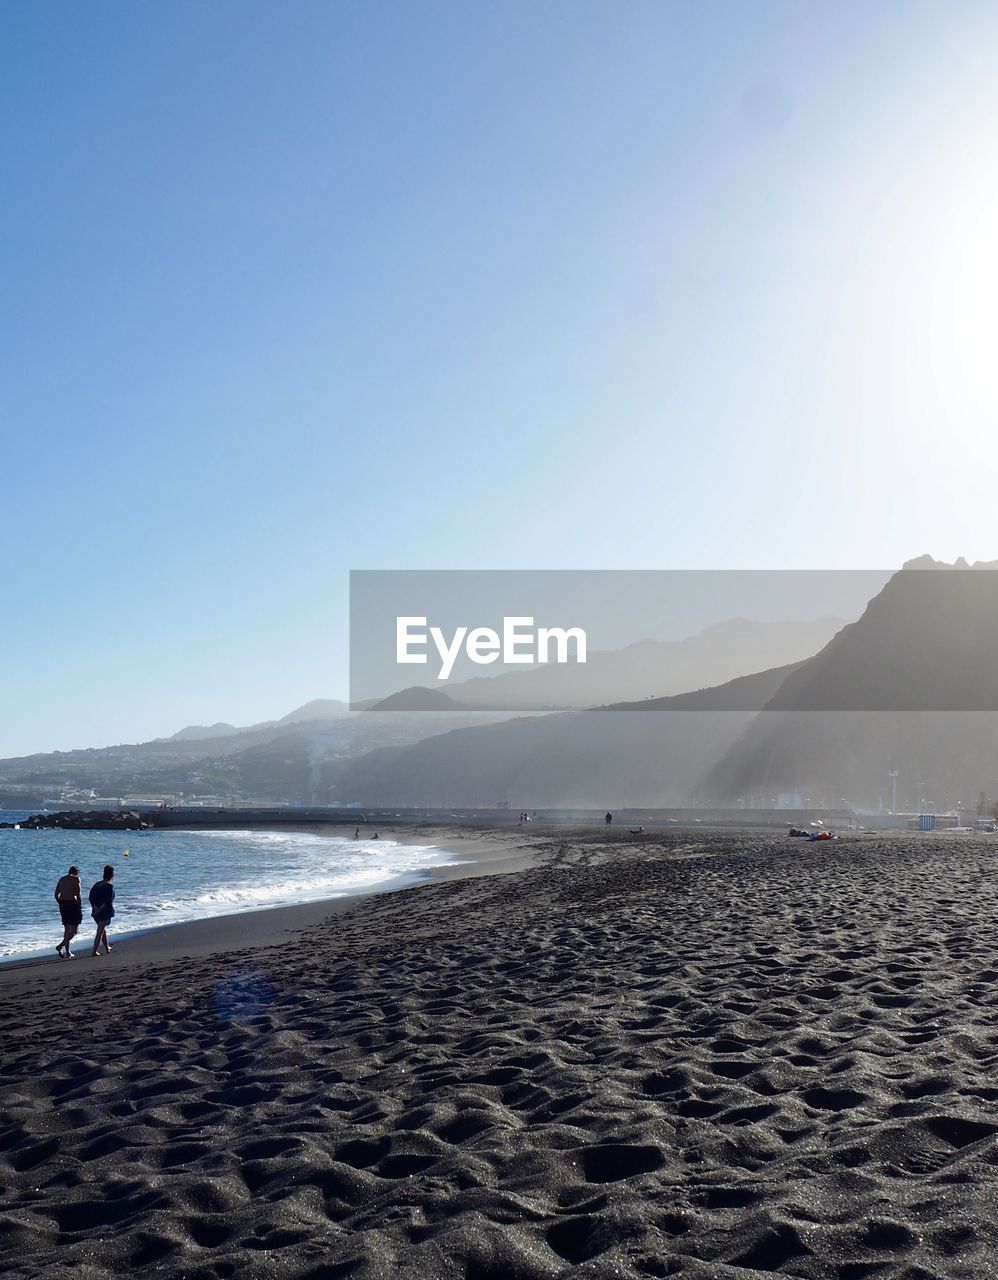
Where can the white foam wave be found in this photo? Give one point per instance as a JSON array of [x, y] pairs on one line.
[[185, 875]]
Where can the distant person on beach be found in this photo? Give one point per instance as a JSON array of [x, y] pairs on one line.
[[69, 895], [356, 834], [609, 818], [102, 908]]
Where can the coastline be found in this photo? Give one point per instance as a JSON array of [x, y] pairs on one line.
[[473, 849], [472, 853]]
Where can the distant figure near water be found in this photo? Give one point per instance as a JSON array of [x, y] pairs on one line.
[[69, 895], [356, 834], [102, 908], [609, 818]]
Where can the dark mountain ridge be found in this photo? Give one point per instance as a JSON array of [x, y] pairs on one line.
[[911, 687]]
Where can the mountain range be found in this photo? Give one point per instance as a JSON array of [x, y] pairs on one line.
[[904, 698], [654, 753], [317, 709], [309, 755], [910, 688]]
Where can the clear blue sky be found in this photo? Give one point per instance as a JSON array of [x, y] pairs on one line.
[[290, 289]]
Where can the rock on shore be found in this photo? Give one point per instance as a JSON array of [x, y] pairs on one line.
[[84, 820]]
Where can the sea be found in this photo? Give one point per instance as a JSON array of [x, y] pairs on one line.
[[167, 877]]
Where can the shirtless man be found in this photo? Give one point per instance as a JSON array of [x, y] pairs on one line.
[[68, 896]]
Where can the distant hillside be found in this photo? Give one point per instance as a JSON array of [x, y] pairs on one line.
[[911, 686], [418, 698], [927, 642], [318, 709], [746, 693], [653, 753], [287, 760], [199, 732]]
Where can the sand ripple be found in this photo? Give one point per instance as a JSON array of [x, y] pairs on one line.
[[748, 1058]]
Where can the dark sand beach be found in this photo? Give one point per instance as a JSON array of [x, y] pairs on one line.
[[694, 1053]]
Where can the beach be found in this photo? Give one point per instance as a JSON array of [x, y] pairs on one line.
[[690, 1053], [184, 874]]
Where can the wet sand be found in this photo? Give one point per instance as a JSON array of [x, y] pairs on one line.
[[703, 1054]]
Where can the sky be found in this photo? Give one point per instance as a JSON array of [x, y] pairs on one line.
[[291, 290]]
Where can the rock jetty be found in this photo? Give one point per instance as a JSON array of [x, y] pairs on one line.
[[84, 820]]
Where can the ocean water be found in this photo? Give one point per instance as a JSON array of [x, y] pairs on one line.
[[173, 876]]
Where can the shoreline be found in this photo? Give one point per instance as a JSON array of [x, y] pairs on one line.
[[473, 849], [686, 1054], [475, 853]]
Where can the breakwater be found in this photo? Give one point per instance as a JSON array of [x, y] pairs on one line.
[[282, 816]]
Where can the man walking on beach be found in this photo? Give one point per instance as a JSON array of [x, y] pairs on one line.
[[609, 818], [102, 908], [68, 894]]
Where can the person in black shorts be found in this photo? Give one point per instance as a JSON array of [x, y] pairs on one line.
[[102, 908], [68, 895]]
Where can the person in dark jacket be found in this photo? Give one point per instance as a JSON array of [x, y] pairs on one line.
[[102, 908]]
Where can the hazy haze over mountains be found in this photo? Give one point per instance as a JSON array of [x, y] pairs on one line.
[[911, 686], [650, 668], [315, 751], [654, 754]]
